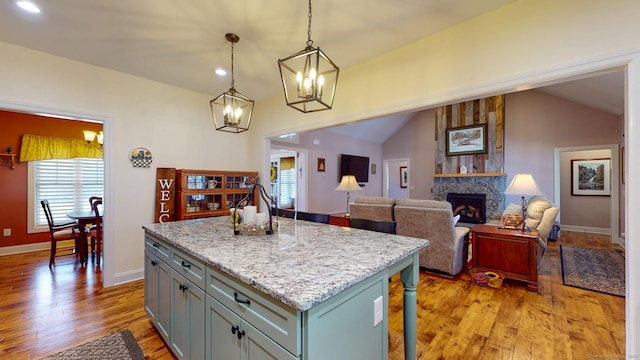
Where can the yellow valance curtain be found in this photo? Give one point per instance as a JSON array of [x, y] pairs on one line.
[[36, 147], [287, 163]]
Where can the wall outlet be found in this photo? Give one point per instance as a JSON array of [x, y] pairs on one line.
[[377, 311], [6, 232]]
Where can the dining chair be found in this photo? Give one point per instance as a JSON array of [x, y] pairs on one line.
[[60, 231], [319, 218], [96, 232], [285, 213], [388, 227], [91, 239]]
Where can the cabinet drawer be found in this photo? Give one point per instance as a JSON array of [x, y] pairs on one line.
[[157, 247], [275, 319], [188, 266]]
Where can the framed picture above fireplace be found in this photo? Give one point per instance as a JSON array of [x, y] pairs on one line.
[[591, 177], [467, 140]]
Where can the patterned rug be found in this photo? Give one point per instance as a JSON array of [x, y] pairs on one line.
[[117, 346], [593, 269]]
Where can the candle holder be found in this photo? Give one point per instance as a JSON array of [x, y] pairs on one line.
[[244, 229]]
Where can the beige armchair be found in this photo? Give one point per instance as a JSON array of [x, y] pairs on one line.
[[433, 220], [541, 215], [372, 208]]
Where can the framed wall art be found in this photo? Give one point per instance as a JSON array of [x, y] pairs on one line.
[[467, 140], [404, 176], [591, 177], [321, 165]]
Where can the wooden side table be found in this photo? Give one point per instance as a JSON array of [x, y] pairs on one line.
[[339, 219], [511, 253]]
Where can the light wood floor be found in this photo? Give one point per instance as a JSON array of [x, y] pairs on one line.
[[43, 312]]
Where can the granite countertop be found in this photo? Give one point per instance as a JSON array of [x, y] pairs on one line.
[[301, 264]]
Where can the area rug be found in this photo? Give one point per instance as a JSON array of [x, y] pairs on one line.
[[117, 346], [593, 269]]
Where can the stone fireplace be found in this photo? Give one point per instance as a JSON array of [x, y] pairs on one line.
[[491, 185], [470, 207]]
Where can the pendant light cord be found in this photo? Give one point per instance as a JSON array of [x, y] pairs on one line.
[[232, 79], [309, 41]]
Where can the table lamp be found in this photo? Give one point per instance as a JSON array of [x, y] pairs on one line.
[[348, 184], [523, 184]]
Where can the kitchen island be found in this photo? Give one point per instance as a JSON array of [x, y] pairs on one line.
[[309, 291]]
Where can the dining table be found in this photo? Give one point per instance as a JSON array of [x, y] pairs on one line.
[[84, 218]]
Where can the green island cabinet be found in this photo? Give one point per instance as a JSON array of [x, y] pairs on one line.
[[202, 312]]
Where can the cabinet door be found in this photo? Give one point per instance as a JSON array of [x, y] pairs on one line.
[[230, 337], [187, 341], [222, 343], [157, 293]]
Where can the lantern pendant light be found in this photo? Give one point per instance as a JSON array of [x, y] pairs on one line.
[[309, 77], [231, 110]]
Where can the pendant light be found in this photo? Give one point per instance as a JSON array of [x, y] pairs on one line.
[[231, 110], [309, 77]]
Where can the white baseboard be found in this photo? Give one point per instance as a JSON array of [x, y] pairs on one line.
[[585, 229], [19, 249], [128, 276]]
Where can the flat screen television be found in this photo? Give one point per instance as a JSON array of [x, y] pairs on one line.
[[357, 166]]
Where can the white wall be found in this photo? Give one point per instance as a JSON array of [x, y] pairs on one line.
[[173, 123]]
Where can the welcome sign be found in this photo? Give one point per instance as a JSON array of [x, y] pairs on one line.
[[165, 194]]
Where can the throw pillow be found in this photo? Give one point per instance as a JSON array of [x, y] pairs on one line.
[[456, 219], [513, 209], [537, 206], [510, 221]]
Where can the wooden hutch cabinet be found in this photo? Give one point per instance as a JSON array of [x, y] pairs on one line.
[[206, 193]]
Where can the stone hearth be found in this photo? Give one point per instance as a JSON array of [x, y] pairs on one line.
[[493, 185]]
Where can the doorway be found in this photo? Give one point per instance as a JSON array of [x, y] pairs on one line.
[[288, 169], [564, 198], [393, 172]]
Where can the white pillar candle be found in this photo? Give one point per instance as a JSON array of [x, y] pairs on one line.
[[250, 213], [261, 218]]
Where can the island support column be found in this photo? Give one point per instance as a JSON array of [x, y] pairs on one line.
[[410, 277]]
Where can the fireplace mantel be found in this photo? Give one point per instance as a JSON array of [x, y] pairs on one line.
[[468, 175]]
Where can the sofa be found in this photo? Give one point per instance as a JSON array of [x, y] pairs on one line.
[[433, 220], [372, 208]]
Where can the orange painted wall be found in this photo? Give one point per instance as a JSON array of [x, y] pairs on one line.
[[13, 183]]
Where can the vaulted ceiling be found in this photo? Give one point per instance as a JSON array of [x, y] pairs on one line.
[[182, 42]]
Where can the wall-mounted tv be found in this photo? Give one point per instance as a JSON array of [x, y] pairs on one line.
[[357, 166]]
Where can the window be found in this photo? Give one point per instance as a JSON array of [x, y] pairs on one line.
[[287, 187], [66, 183]]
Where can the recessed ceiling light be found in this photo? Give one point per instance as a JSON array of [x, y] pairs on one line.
[[221, 72], [28, 6]]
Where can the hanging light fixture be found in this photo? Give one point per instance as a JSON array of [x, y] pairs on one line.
[[231, 110], [309, 77], [89, 136]]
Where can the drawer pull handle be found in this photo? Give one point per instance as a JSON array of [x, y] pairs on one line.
[[156, 245], [187, 265], [183, 288], [240, 334], [247, 301], [234, 329], [154, 263]]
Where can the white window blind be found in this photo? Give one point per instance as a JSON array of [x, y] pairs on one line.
[[287, 186], [67, 184]]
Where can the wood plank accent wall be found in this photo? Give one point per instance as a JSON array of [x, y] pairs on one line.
[[488, 111]]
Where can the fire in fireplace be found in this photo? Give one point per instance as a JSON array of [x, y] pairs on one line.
[[471, 207]]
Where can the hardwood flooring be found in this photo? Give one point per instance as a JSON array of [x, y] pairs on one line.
[[43, 312]]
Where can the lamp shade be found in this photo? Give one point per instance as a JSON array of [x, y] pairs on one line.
[[348, 183], [523, 184]]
